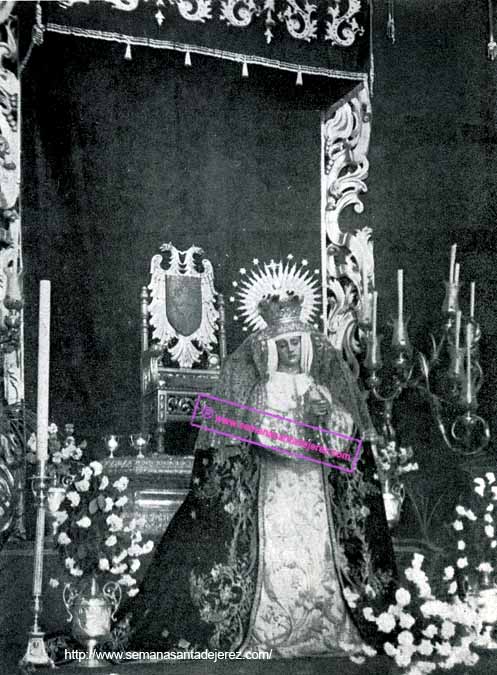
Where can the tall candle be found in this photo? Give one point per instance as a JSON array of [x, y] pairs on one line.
[[456, 274], [469, 393], [458, 332], [400, 287], [365, 293], [375, 309], [472, 300], [43, 371], [453, 250]]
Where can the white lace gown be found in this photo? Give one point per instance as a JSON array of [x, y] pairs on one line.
[[299, 609]]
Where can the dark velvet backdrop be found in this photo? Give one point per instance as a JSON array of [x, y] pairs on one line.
[[120, 156]]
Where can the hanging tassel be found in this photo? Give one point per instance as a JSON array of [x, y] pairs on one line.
[[127, 53], [299, 82], [391, 21], [244, 69], [188, 59]]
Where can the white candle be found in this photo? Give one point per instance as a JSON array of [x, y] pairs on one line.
[[365, 293], [472, 300], [375, 309], [400, 287], [453, 250], [468, 364], [456, 274], [458, 331], [43, 371]]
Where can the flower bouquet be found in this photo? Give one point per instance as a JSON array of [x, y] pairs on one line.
[[92, 537], [392, 462], [64, 455], [476, 556], [422, 632]]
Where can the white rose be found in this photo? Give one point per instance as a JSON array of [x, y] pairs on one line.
[[127, 580], [53, 583], [406, 620], [53, 429], [111, 540], [390, 649], [368, 614], [108, 504], [76, 572], [86, 472], [63, 539], [462, 563], [425, 648], [385, 622], [405, 638], [121, 501], [452, 588], [74, 498], [490, 476], [119, 558], [115, 523], [84, 522], [134, 565], [461, 545], [133, 591], [430, 631], [148, 546], [417, 561], [118, 569], [103, 564], [57, 457], [66, 451], [470, 515], [103, 483], [490, 508], [488, 518], [69, 563], [485, 567], [444, 648], [448, 573], [136, 537], [121, 484], [460, 510], [97, 467], [489, 531], [82, 486], [448, 630], [403, 597], [457, 525]]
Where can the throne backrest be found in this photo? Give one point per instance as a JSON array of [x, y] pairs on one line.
[[179, 313]]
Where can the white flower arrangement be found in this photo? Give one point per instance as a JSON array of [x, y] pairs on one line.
[[475, 528], [425, 633], [393, 461], [93, 537]]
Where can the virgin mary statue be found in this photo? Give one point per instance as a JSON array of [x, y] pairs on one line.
[[274, 549]]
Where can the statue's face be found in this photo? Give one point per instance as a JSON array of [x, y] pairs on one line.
[[289, 350]]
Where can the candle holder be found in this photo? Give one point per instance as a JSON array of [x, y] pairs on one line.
[[36, 653], [112, 444], [139, 442], [454, 410]]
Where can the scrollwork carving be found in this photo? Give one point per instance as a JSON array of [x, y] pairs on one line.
[[195, 10], [299, 21], [349, 256], [343, 27], [298, 16]]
